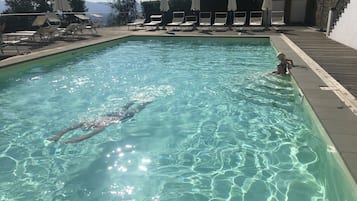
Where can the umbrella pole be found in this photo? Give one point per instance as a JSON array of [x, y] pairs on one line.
[[196, 13], [231, 19], [266, 21], [164, 20]]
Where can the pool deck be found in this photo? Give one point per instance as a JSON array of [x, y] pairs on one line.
[[323, 67], [338, 60]]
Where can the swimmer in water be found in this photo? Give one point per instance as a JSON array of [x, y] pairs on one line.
[[284, 65], [116, 117]]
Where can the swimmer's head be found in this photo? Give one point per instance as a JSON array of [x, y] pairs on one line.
[[281, 56]]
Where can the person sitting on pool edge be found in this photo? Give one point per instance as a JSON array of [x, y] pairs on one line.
[[285, 63], [116, 117]]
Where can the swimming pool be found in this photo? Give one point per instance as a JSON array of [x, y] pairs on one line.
[[220, 126]]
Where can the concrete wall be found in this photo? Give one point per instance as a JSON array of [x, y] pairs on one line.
[[278, 5], [323, 7], [298, 11], [345, 30]]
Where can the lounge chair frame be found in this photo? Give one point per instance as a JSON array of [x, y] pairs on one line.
[[239, 20], [13, 43], [4, 44], [156, 21], [71, 30], [189, 24], [93, 27], [256, 18], [277, 18], [205, 21], [177, 20], [137, 23], [220, 21], [21, 35], [47, 33]]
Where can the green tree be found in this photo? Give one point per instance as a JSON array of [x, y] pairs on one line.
[[123, 11], [27, 6], [14, 23], [78, 5]]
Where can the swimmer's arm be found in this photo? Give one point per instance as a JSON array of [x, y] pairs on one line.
[[291, 62], [84, 137]]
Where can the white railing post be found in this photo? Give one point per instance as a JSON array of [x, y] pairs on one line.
[[329, 22]]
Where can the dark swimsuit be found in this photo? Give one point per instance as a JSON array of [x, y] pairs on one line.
[[284, 67]]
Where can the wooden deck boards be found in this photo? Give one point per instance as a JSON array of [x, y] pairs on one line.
[[337, 59]]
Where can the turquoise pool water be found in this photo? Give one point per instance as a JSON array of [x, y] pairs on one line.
[[220, 126]]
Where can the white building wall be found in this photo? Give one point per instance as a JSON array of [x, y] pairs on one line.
[[345, 30]]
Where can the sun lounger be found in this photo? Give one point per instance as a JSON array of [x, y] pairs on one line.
[[49, 32], [46, 33], [256, 18], [43, 32], [136, 23], [25, 32], [82, 17], [205, 20], [4, 44], [71, 30], [277, 18], [39, 21], [239, 20], [10, 43], [220, 20], [50, 19], [84, 21], [94, 27], [20, 35], [82, 26], [47, 24], [156, 20], [177, 20], [189, 24]]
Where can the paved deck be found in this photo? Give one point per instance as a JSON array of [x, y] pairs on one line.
[[340, 61]]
